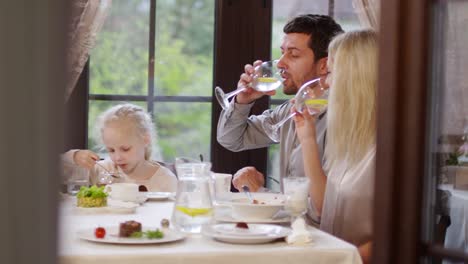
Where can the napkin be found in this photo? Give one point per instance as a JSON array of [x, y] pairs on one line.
[[299, 234]]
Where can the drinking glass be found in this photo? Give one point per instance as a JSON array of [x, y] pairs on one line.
[[311, 96], [79, 177], [266, 78], [222, 186], [296, 190]]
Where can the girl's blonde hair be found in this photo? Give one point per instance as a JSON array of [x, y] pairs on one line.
[[351, 117], [138, 118]]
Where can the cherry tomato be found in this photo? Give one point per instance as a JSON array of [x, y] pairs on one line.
[[100, 232]]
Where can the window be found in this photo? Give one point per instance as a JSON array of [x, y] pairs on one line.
[[159, 55]]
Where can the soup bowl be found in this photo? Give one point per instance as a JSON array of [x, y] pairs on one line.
[[264, 205]]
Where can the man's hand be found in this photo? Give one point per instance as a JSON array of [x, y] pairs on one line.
[[85, 158], [248, 176], [246, 78]]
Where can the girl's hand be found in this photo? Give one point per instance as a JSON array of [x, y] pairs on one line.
[[305, 126], [85, 158]]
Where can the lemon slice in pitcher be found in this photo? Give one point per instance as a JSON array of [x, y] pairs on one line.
[[194, 211]]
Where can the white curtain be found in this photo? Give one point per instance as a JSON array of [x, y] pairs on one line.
[[368, 12], [454, 102], [87, 19]]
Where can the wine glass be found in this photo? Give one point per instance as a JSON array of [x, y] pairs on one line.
[[311, 96], [296, 190], [266, 78]]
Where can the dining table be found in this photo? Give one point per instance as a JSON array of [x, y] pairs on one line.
[[194, 248]]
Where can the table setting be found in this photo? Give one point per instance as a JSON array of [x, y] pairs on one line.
[[203, 222]]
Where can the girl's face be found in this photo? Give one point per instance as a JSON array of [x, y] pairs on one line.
[[126, 149]]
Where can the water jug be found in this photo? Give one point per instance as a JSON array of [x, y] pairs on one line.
[[193, 206]]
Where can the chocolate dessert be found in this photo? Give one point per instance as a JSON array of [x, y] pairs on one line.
[[142, 188], [242, 225], [128, 228]]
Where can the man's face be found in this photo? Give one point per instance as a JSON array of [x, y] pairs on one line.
[[297, 62]]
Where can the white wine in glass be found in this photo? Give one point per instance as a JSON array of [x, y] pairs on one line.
[[266, 78], [311, 96]]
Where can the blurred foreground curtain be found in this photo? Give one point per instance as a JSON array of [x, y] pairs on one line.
[[368, 12], [87, 18]]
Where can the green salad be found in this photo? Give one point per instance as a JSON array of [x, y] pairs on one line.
[[91, 197], [150, 234], [92, 192]]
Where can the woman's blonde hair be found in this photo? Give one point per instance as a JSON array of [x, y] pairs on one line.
[[138, 118], [351, 117]]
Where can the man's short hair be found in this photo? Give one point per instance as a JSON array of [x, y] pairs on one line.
[[321, 29]]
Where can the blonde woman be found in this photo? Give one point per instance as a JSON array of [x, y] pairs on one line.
[[342, 191]]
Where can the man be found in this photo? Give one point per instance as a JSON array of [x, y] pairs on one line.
[[304, 57]]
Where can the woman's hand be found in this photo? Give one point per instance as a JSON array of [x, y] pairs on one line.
[[85, 158], [305, 126]]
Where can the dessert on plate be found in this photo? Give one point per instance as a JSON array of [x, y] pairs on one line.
[[127, 228]]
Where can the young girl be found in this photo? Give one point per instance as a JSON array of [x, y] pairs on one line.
[[127, 133]]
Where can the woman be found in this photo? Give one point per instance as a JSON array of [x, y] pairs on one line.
[[342, 191]]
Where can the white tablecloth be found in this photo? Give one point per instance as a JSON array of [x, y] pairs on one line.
[[194, 249], [457, 233]]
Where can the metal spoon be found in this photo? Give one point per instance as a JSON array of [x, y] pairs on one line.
[[114, 175], [246, 190]]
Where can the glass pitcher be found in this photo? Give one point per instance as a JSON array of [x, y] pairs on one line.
[[193, 206]]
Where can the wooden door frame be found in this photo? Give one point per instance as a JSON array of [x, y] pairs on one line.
[[402, 101]]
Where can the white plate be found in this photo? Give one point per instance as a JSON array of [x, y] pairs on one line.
[[112, 236], [225, 215], [113, 207], [269, 233], [232, 230], [159, 196]]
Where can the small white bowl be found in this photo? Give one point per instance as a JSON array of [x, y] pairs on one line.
[[268, 205]]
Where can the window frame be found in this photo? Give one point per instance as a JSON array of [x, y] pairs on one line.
[[225, 48], [225, 44]]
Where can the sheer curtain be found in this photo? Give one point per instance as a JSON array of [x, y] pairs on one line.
[[454, 103], [87, 19], [368, 12]]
